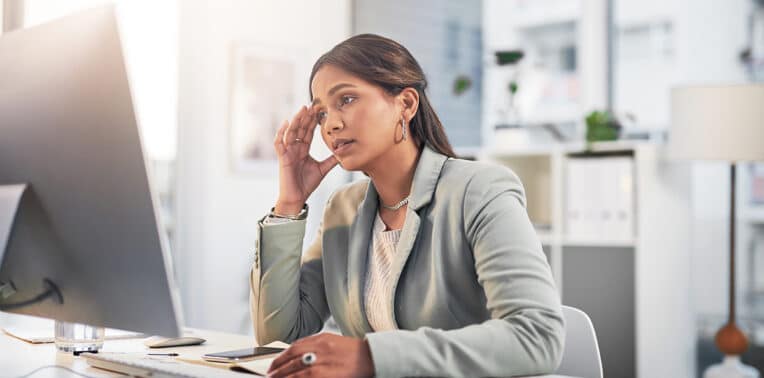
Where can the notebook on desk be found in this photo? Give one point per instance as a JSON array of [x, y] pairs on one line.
[[259, 365]]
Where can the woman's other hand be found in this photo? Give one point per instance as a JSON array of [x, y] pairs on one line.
[[335, 356], [299, 173]]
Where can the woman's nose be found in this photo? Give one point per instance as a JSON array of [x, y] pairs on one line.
[[334, 123]]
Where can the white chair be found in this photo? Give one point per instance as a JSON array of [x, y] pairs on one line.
[[581, 355]]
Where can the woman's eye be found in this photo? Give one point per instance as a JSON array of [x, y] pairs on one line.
[[346, 100], [320, 117]]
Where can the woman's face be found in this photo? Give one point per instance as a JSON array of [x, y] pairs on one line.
[[359, 121]]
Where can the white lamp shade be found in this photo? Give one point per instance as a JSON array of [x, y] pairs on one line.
[[724, 122]]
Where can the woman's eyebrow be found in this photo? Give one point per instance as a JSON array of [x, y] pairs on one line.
[[333, 91]]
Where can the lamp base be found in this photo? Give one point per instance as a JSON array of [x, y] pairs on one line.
[[731, 367]]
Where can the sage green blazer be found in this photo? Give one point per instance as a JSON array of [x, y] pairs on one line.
[[474, 293]]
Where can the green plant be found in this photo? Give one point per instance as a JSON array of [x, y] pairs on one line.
[[462, 84], [513, 87], [508, 57], [601, 126]]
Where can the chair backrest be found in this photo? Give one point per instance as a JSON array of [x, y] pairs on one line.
[[581, 355]]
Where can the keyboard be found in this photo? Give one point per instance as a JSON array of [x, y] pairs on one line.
[[141, 365]]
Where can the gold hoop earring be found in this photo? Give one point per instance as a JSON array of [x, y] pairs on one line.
[[403, 127]]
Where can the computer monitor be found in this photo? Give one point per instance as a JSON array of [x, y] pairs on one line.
[[87, 221]]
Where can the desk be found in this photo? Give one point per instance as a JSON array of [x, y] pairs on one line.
[[18, 358]]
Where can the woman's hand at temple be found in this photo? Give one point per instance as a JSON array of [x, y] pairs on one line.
[[299, 173], [335, 356]]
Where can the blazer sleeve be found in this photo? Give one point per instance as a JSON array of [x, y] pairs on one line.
[[525, 334], [287, 298]]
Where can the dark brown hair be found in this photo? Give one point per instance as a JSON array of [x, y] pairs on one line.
[[388, 64]]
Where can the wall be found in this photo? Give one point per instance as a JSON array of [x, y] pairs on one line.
[[446, 39], [218, 209]]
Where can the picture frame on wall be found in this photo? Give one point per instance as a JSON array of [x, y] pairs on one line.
[[264, 86]]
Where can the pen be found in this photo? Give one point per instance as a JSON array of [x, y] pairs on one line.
[[164, 354]]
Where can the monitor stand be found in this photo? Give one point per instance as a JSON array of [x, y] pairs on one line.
[[11, 197]]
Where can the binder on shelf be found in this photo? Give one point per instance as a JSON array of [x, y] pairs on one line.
[[579, 216], [618, 205], [599, 203]]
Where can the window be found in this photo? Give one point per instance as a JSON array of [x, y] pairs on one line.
[[149, 33], [9, 11], [149, 37]]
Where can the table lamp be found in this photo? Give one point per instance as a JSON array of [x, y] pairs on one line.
[[721, 123]]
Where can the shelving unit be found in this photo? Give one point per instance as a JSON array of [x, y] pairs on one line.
[[530, 15], [603, 243], [634, 288], [655, 45], [562, 75], [646, 59]]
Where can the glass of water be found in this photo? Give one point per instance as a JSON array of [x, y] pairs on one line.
[[75, 337]]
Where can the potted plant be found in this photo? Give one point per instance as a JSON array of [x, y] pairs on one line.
[[601, 126]]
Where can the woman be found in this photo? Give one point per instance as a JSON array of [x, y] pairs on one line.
[[430, 267]]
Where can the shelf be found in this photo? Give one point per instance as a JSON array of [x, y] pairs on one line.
[[519, 152], [576, 242], [543, 16], [546, 237], [499, 152], [753, 214], [554, 118], [637, 15], [616, 145]]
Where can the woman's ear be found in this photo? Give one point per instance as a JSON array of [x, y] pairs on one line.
[[409, 98]]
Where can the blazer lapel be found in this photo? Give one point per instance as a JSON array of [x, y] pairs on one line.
[[360, 239], [403, 250], [422, 189]]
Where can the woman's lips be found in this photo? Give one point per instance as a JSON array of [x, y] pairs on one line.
[[343, 148]]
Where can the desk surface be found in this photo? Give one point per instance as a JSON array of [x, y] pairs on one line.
[[19, 358]]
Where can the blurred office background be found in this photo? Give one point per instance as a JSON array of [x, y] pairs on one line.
[[638, 243]]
